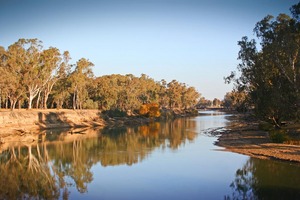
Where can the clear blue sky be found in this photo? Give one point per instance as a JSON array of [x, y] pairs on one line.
[[194, 42]]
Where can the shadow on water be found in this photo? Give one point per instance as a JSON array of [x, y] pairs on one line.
[[264, 179], [47, 168]]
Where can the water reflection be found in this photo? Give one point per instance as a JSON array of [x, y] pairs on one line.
[[78, 164], [47, 167], [263, 179]]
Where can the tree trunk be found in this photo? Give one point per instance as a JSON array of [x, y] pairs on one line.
[[19, 104], [12, 104], [38, 100], [6, 103], [74, 100], [47, 92], [32, 94], [46, 96]]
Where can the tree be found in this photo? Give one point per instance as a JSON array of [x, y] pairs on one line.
[[216, 102], [190, 97], [11, 73], [236, 100], [33, 75], [79, 80], [56, 67], [174, 91], [204, 103], [271, 76], [150, 110]]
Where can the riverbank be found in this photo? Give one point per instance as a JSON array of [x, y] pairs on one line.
[[24, 125], [243, 136], [32, 120]]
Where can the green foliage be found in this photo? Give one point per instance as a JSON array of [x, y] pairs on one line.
[[265, 126], [115, 113], [30, 74], [270, 76], [236, 100], [278, 135], [203, 103], [90, 104]]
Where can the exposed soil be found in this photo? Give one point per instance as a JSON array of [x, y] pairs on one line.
[[27, 120], [243, 136], [23, 126]]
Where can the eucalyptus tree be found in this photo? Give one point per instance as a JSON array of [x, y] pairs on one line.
[[32, 69], [125, 92], [79, 80], [3, 60], [61, 93], [163, 99], [236, 100], [11, 73], [58, 68], [148, 89], [106, 92], [190, 97], [271, 75], [175, 90], [129, 92], [203, 103]]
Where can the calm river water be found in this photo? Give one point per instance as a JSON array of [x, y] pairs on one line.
[[166, 160]]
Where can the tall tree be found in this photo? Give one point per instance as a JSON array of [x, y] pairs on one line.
[[31, 66], [271, 76], [175, 90], [11, 73], [57, 67], [79, 80]]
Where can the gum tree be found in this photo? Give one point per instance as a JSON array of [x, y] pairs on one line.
[[271, 75]]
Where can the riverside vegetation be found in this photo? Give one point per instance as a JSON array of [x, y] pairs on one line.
[[33, 77], [269, 78], [269, 82], [37, 79], [268, 85]]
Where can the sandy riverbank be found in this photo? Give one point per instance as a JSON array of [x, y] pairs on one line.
[[244, 137], [30, 120]]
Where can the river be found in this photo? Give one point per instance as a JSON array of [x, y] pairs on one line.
[[162, 160]]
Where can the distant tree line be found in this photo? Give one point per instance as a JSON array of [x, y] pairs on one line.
[[269, 80], [33, 77]]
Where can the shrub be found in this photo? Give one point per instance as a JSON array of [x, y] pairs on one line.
[[278, 135], [90, 104], [115, 113], [150, 110]]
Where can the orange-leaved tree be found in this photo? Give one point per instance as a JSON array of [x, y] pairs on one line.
[[150, 110]]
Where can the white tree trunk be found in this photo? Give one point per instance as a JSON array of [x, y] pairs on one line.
[[33, 91]]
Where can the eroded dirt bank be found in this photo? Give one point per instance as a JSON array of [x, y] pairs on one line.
[[29, 120], [24, 126], [243, 136]]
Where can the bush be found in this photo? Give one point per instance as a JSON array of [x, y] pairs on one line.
[[278, 135], [115, 113], [150, 110], [90, 104]]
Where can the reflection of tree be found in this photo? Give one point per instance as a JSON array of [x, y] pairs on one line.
[[46, 170], [264, 179], [243, 183], [130, 145], [80, 172], [24, 175]]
